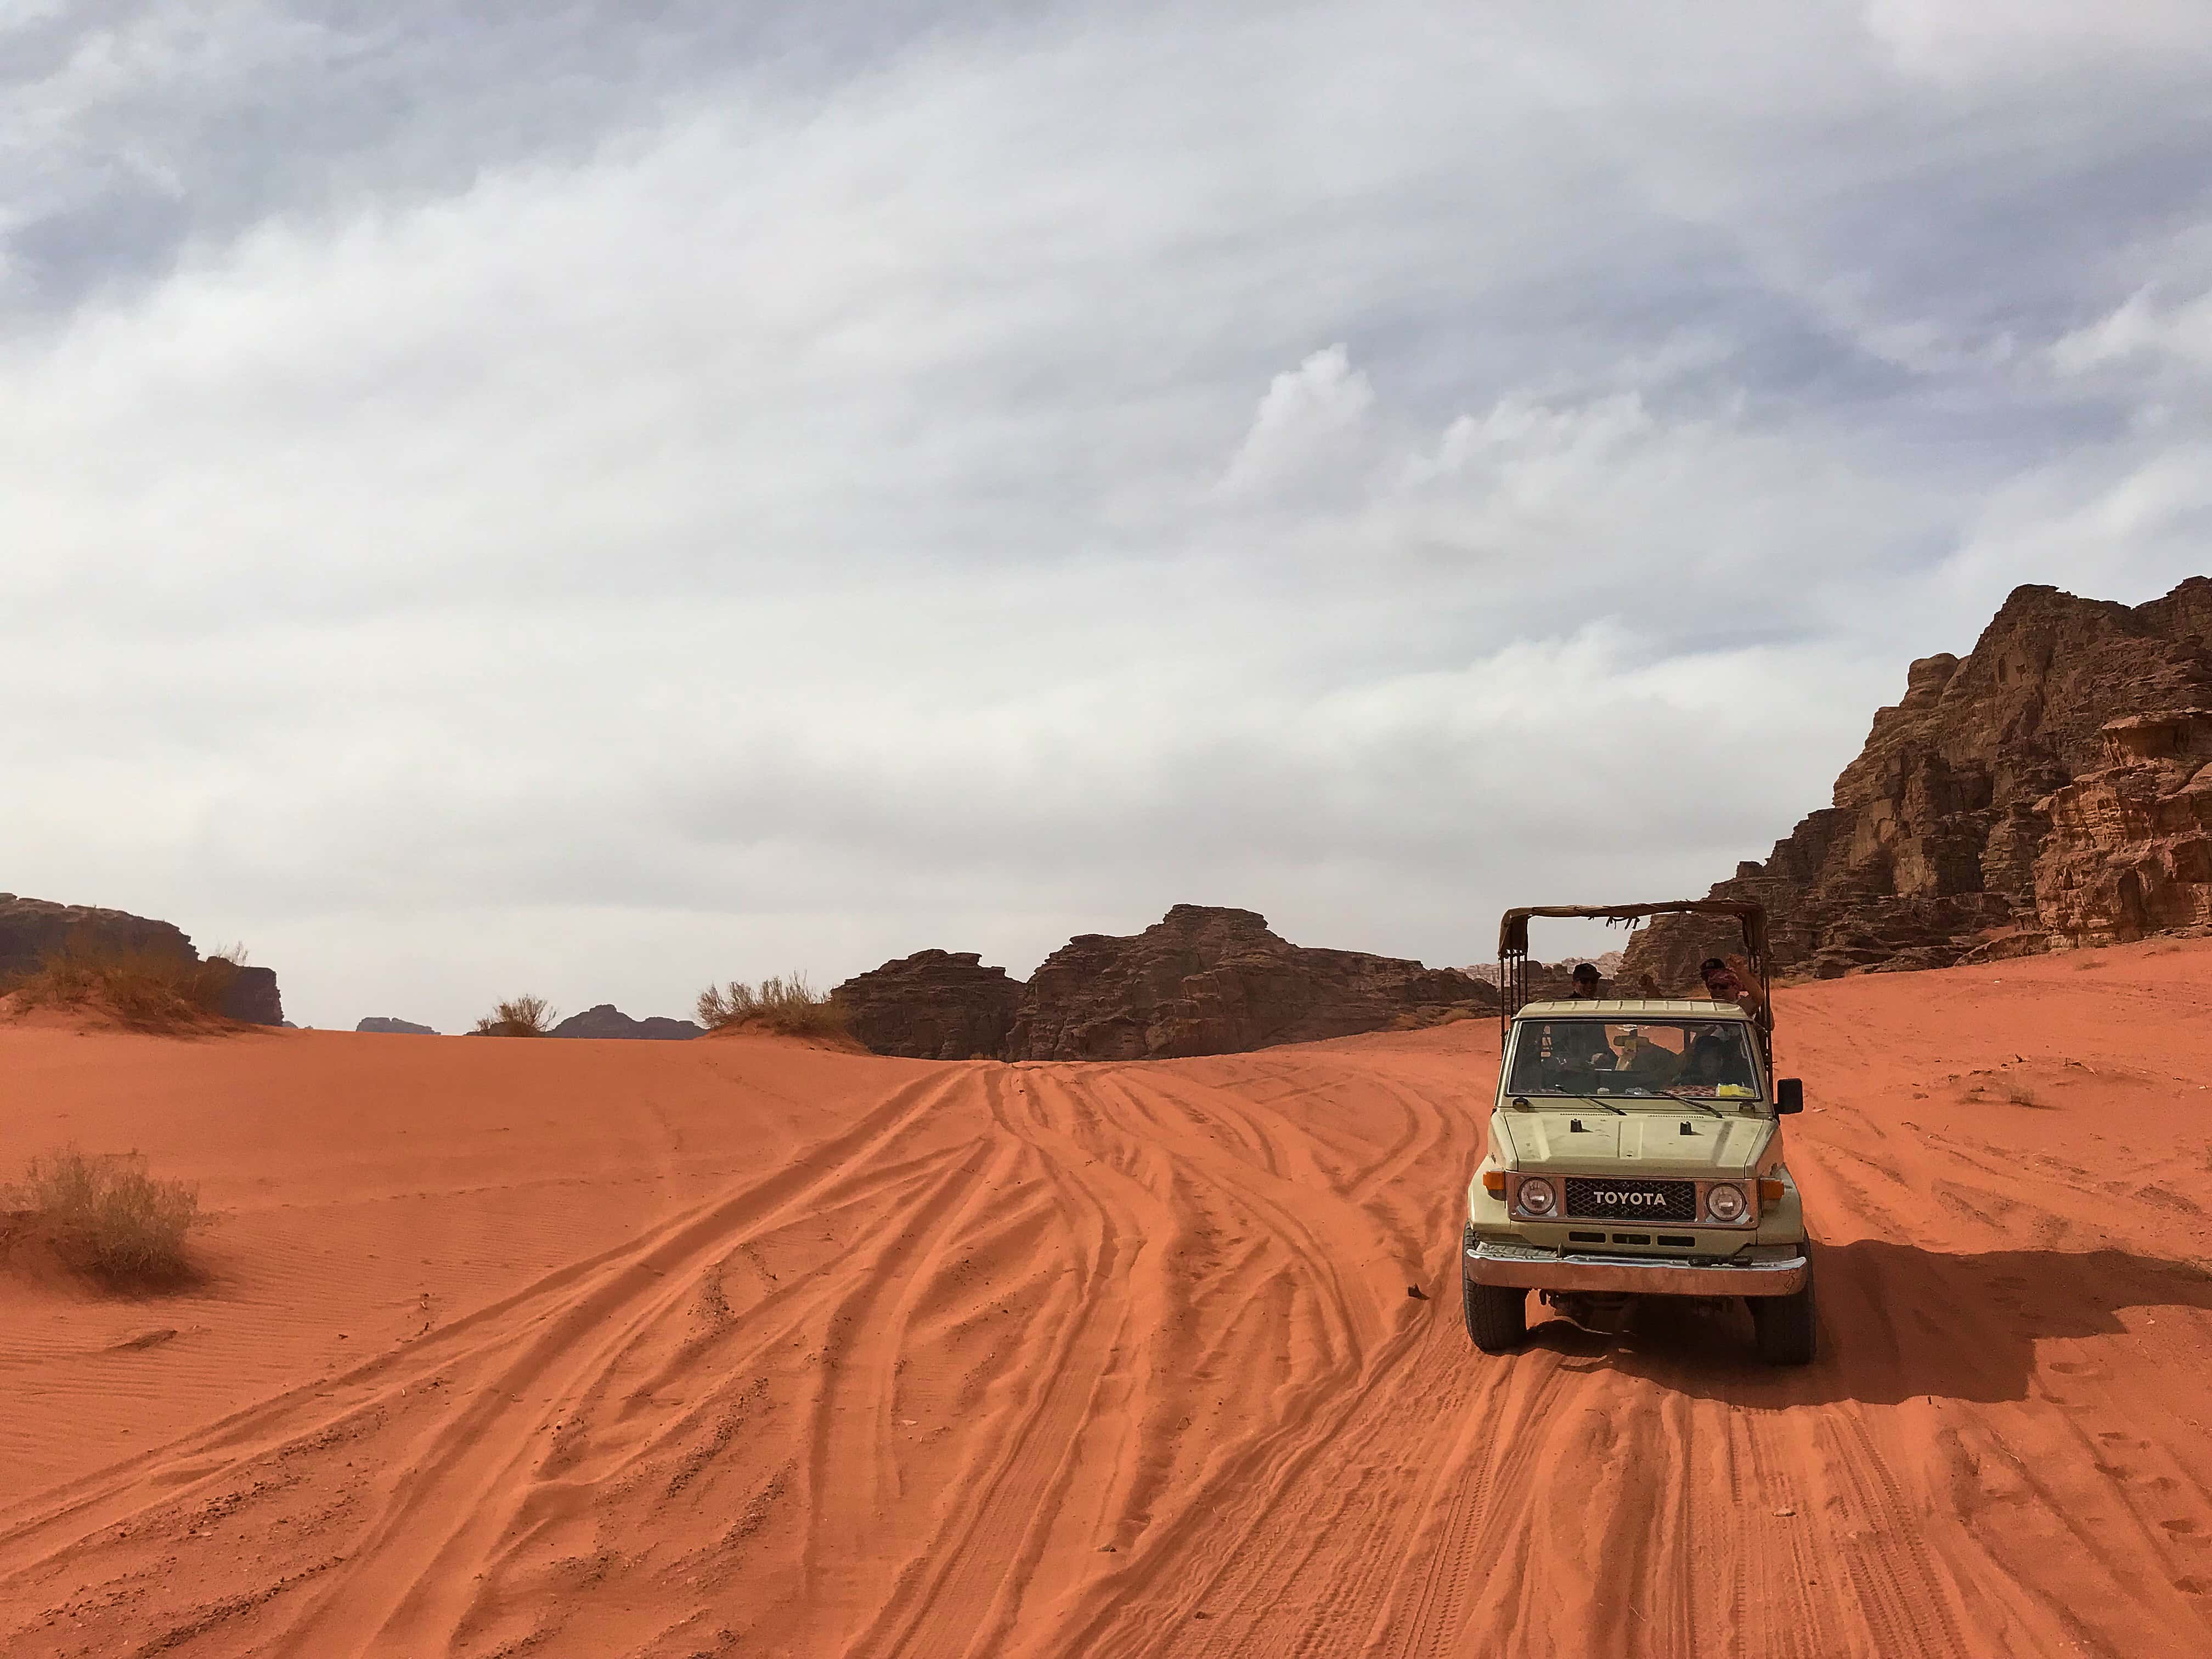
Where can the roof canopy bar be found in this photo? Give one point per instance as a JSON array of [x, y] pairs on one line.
[[1513, 948]]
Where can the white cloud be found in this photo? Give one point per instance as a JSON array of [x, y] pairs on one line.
[[808, 516], [2142, 327], [1956, 40], [1305, 426]]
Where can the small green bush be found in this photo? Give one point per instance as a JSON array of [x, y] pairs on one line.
[[105, 1214], [784, 1004]]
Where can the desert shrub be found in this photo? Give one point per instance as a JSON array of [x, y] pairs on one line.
[[106, 1214], [524, 1016], [149, 989], [782, 1003], [2019, 1094], [2082, 964]]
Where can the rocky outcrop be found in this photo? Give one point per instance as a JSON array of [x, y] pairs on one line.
[[608, 1021], [2130, 850], [935, 1005], [1934, 843], [252, 995], [1206, 980], [1202, 981], [31, 930], [395, 1027]]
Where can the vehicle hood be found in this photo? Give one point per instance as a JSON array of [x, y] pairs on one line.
[[1547, 1139]]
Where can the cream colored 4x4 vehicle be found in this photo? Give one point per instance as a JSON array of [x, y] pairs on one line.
[[1636, 1149]]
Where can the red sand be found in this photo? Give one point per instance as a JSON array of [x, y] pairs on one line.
[[745, 1347]]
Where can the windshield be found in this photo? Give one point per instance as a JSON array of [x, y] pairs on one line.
[[1651, 1058]]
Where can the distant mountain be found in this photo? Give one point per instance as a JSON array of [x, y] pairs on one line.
[[401, 1027], [608, 1021]]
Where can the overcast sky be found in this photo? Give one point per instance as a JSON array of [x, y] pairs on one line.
[[596, 498]]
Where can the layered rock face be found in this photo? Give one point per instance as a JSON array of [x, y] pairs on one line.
[[608, 1021], [1935, 845], [2130, 850], [936, 1004], [31, 930], [1202, 981], [253, 996]]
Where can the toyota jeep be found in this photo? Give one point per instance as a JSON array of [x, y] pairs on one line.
[[1636, 1149]]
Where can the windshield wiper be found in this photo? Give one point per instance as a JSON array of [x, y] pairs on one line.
[[1588, 1100]]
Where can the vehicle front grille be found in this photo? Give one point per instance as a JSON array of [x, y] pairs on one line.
[[1631, 1200]]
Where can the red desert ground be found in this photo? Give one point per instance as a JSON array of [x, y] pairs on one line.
[[746, 1347]]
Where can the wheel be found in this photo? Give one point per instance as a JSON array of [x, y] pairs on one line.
[[1787, 1327], [1497, 1315]]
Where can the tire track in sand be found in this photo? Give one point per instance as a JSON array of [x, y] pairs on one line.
[[981, 1547]]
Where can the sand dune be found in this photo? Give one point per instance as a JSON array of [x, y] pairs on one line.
[[739, 1347]]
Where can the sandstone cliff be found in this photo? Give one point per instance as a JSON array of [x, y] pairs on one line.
[[395, 1027], [1935, 843], [935, 1005], [2130, 850], [1202, 981], [31, 930]]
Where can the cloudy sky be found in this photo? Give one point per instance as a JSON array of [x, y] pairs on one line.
[[593, 498]]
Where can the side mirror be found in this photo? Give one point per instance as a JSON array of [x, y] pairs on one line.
[[1788, 1096]]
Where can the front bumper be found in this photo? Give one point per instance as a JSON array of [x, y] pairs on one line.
[[1525, 1267]]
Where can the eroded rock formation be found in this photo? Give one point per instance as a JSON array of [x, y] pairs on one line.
[[252, 995], [31, 930], [608, 1021], [2130, 850], [395, 1027], [1935, 844], [1202, 981], [935, 1005], [1206, 981]]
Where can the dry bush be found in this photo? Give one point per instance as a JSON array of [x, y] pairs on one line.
[[524, 1016], [784, 1004], [2019, 1094], [105, 1214], [149, 990], [2168, 949], [2082, 964]]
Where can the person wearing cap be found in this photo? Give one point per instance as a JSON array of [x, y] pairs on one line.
[[1730, 981], [1590, 985]]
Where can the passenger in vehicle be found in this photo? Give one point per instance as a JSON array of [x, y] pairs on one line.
[[1580, 1042], [1714, 1059], [1590, 984], [1731, 981], [1644, 1061]]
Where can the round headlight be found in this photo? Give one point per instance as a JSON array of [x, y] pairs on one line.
[[1537, 1197], [1725, 1203]]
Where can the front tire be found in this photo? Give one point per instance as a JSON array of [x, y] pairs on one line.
[[1787, 1327], [1497, 1315]]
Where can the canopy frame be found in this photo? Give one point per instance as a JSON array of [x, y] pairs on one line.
[[1513, 950]]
